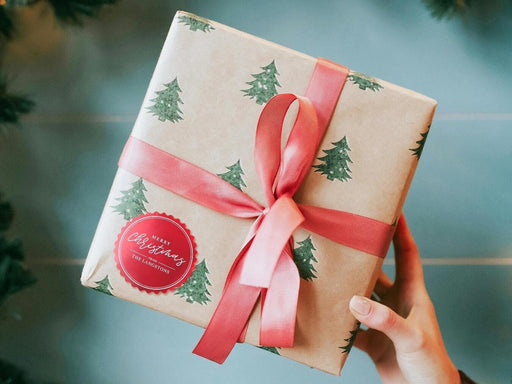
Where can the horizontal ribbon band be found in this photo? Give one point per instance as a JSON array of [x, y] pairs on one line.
[[264, 267]]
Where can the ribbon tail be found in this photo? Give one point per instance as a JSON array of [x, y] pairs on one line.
[[229, 320], [279, 304], [276, 229]]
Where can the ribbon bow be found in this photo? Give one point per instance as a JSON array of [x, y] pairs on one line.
[[264, 267]]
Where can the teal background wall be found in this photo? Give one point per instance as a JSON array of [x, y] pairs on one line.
[[89, 83]]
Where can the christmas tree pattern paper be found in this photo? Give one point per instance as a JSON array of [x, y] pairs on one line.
[[364, 82], [196, 23], [263, 87], [421, 143], [273, 350], [104, 286], [234, 175], [167, 103], [131, 203], [202, 105], [335, 162], [304, 259], [195, 289], [350, 341]]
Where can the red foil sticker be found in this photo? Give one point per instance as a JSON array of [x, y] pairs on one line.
[[155, 252]]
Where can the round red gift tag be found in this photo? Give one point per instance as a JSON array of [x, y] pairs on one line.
[[155, 252]]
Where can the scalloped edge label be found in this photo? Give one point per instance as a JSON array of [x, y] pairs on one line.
[[155, 252]]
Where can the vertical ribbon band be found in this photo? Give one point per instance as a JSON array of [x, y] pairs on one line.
[[264, 268]]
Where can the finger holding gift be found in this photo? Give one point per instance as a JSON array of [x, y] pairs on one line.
[[407, 257], [381, 318]]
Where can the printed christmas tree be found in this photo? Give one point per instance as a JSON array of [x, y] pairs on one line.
[[104, 286], [196, 23], [364, 82], [195, 289], [234, 175], [421, 143], [167, 103], [263, 87], [350, 341], [304, 259], [335, 162], [131, 204], [270, 349]]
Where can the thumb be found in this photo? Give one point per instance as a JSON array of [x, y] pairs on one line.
[[381, 318]]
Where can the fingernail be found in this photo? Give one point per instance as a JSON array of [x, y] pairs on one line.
[[360, 305]]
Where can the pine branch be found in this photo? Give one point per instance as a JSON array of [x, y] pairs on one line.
[[73, 11], [447, 8], [14, 276], [6, 215], [10, 374], [6, 25], [12, 106]]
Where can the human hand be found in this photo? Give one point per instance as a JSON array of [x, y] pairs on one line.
[[403, 340]]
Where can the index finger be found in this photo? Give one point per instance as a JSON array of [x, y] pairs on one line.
[[407, 257]]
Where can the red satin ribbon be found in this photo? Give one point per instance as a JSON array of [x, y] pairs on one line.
[[264, 267]]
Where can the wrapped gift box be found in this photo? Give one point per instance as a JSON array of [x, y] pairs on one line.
[[203, 102]]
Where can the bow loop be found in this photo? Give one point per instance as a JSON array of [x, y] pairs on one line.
[[287, 171]]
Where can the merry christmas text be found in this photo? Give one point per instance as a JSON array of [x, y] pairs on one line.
[[144, 242]]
